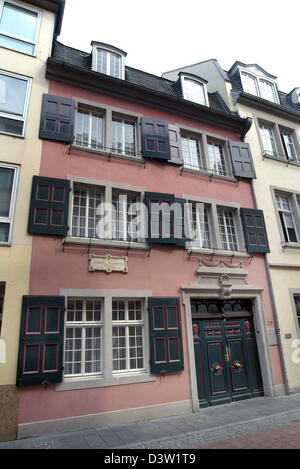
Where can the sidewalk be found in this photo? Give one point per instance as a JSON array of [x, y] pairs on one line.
[[233, 425]]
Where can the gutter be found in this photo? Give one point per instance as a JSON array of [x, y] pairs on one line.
[[277, 328], [73, 75]]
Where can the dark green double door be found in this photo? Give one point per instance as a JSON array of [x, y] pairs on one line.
[[227, 363]]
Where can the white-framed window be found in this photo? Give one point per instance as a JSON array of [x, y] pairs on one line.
[[216, 158], [19, 27], [287, 218], [85, 217], [268, 139], [288, 142], [259, 86], [14, 100], [108, 60], [83, 337], [104, 343], [89, 130], [227, 227], [200, 225], [124, 136], [105, 214], [191, 151], [194, 90], [9, 175], [127, 335]]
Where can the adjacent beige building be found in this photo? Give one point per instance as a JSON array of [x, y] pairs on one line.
[[27, 29], [274, 138]]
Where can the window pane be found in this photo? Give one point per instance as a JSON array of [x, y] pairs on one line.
[[191, 152], [6, 184], [194, 91], [89, 129], [249, 83], [288, 145], [16, 44], [227, 230], [268, 140], [199, 226], [216, 158], [85, 218], [11, 126], [102, 61], [115, 65], [123, 137], [4, 232], [12, 95], [18, 21], [124, 226], [267, 90]]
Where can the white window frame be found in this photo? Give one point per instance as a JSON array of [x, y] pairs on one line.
[[221, 211], [106, 188], [289, 142], [108, 377], [111, 51], [292, 212], [109, 113], [127, 323], [185, 79], [13, 117], [258, 84], [216, 243], [34, 42], [10, 219], [216, 170], [90, 112], [267, 139], [84, 324], [189, 137], [124, 120]]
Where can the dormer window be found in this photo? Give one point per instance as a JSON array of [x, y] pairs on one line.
[[108, 60], [194, 89], [259, 86]]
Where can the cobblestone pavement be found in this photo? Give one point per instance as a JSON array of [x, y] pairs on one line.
[[285, 437], [252, 423]]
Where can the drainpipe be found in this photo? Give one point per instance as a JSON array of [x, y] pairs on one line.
[[277, 328]]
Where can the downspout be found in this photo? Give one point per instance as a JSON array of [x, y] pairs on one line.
[[247, 125]]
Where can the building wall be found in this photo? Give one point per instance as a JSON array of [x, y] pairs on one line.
[[284, 262], [26, 153], [55, 269]]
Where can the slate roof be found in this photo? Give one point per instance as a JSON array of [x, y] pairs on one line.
[[134, 76], [286, 102]]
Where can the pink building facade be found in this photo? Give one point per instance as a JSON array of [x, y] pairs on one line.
[[122, 327]]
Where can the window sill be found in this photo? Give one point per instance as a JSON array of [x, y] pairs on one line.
[[106, 243], [107, 152], [281, 160], [209, 174], [286, 245], [97, 382], [218, 252]]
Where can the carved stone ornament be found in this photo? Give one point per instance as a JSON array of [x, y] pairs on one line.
[[226, 285], [108, 263]]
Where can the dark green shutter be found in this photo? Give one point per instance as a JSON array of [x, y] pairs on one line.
[[242, 161], [49, 206], [166, 352], [155, 138], [254, 230], [41, 340], [57, 118]]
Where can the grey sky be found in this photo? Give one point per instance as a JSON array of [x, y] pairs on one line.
[[162, 35]]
